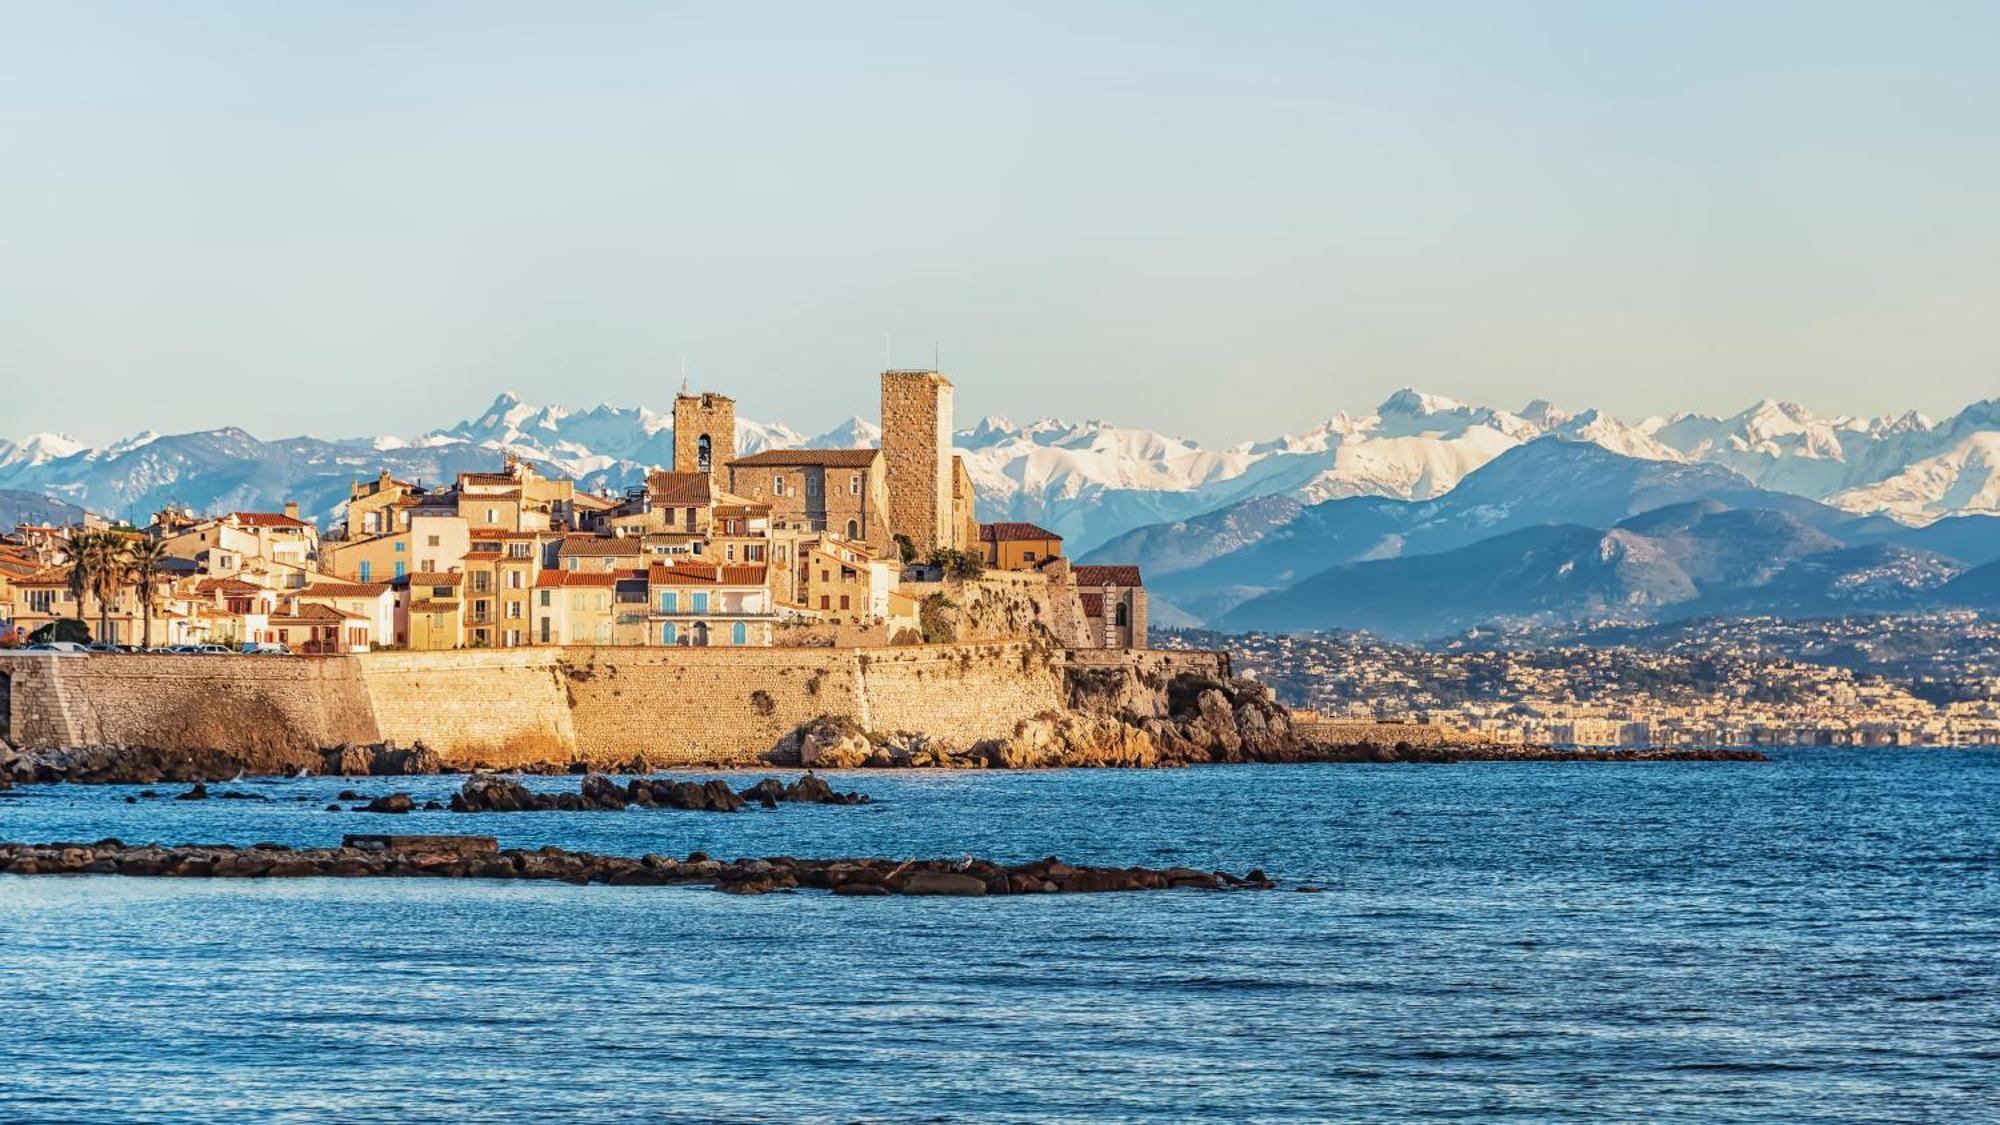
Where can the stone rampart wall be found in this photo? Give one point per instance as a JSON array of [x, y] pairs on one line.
[[249, 703], [517, 706]]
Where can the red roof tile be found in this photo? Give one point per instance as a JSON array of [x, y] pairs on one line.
[[1107, 576], [1011, 532]]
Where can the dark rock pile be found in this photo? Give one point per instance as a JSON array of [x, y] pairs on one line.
[[487, 793], [131, 765], [480, 857]]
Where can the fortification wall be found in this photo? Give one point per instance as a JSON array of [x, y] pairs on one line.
[[496, 707], [518, 706], [261, 705]]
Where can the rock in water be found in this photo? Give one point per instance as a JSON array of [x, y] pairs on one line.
[[942, 883]]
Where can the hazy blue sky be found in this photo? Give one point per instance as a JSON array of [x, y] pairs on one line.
[[1217, 220]]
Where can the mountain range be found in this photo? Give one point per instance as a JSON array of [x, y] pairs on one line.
[[1421, 476]]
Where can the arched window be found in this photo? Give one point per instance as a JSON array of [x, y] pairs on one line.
[[1120, 617], [853, 530], [702, 451]]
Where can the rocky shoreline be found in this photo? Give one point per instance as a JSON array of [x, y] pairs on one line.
[[1108, 723], [480, 857]]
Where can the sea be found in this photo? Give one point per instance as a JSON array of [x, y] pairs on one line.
[[1812, 939]]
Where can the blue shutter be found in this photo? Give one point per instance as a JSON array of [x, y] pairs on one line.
[[670, 602], [701, 601], [365, 568], [739, 634], [668, 634], [399, 568]]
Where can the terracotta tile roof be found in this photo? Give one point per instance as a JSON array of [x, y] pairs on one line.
[[591, 546], [1011, 532], [1107, 576], [435, 578], [677, 490], [577, 578], [836, 458], [428, 605], [50, 576], [346, 590], [316, 614], [1093, 605], [485, 478], [226, 586], [267, 519], [703, 574], [742, 511]]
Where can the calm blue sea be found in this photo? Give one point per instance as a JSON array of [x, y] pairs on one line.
[[1813, 939]]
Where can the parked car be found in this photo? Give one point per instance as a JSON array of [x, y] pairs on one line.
[[201, 650], [70, 647], [273, 648]]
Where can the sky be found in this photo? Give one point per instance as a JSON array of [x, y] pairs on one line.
[[1222, 221]]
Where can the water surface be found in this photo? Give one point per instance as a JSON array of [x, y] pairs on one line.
[[1814, 939]]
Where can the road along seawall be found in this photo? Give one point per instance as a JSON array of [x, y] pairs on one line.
[[515, 707]]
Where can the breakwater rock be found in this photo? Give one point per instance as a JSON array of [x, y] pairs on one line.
[[488, 793], [139, 765], [480, 857]]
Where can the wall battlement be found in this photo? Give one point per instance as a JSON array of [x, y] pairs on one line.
[[518, 706]]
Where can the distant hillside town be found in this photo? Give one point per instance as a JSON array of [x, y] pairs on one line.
[[803, 547]]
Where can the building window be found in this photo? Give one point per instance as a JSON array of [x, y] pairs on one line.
[[492, 515], [400, 546], [364, 570], [670, 602], [699, 601], [1027, 556], [729, 552], [399, 568], [434, 541], [844, 602], [854, 486], [853, 530], [513, 611], [545, 599], [669, 634], [1121, 617], [703, 448], [825, 602], [739, 634], [778, 485]]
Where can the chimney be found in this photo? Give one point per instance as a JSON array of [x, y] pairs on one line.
[[292, 509]]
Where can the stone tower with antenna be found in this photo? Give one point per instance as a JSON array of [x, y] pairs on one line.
[[705, 436]]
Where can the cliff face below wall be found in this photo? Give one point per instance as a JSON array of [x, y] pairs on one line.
[[542, 706]]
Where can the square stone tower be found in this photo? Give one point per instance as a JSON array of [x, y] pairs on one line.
[[705, 436], [916, 457]]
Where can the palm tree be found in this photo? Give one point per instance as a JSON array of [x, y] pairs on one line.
[[104, 558], [75, 551], [144, 557]]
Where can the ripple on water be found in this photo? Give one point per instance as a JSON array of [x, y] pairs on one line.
[[1818, 938]]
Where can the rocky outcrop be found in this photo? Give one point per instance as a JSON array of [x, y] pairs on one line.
[[597, 793], [1116, 721], [127, 765], [480, 857]]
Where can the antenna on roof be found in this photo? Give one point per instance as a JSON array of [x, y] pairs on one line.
[[684, 375]]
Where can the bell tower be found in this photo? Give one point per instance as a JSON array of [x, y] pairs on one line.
[[705, 436]]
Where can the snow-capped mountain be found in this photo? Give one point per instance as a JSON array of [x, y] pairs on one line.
[[1090, 481]]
